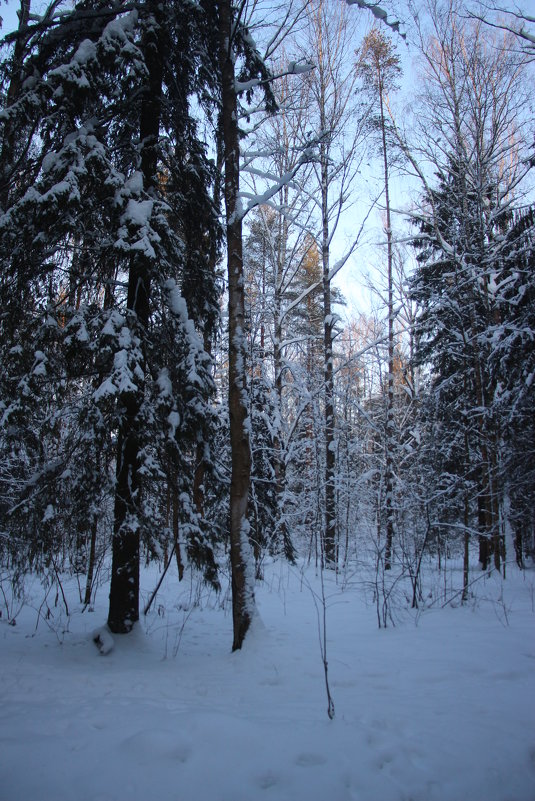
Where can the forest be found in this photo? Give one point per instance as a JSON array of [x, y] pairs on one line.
[[192, 195]]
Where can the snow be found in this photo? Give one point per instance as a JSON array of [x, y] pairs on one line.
[[164, 383], [122, 373], [86, 52], [300, 68], [115, 321], [440, 708], [138, 212], [103, 640], [107, 388], [379, 13], [176, 302], [173, 418], [119, 28], [40, 363]]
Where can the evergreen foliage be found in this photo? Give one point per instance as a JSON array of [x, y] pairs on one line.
[[108, 282]]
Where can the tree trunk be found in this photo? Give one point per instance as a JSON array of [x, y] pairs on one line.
[[15, 85], [124, 588], [390, 425], [279, 464], [200, 466], [241, 560], [176, 530], [466, 559], [484, 557], [329, 543], [91, 562], [519, 551]]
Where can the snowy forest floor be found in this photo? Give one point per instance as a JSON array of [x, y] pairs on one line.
[[440, 707]]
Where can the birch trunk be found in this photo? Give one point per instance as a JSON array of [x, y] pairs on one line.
[[390, 424], [240, 549], [330, 456]]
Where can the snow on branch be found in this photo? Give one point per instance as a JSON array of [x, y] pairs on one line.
[[294, 68], [262, 199], [254, 200], [379, 13]]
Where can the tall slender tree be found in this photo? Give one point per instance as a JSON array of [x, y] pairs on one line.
[[330, 110], [235, 43], [379, 67]]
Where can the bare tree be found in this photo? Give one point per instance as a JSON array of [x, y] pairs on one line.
[[332, 112], [514, 20], [240, 551], [237, 46], [379, 66]]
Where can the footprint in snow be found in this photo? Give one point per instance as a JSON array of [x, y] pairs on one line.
[[309, 760], [384, 759], [151, 744], [267, 780]]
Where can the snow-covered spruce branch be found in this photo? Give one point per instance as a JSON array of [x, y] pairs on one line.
[[40, 23]]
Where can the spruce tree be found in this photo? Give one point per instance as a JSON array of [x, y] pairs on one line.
[[107, 252]]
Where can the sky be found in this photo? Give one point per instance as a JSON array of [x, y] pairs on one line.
[[8, 12]]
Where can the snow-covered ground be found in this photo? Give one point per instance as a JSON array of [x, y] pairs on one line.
[[439, 708]]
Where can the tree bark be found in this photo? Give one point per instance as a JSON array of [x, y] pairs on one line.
[[124, 588], [242, 566], [13, 92], [466, 556], [329, 543], [484, 557], [91, 562], [390, 425], [278, 441]]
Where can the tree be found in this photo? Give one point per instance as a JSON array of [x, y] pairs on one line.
[[513, 361], [331, 87], [474, 101], [272, 263], [514, 21], [235, 42], [379, 66], [118, 184], [274, 255], [13, 79]]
